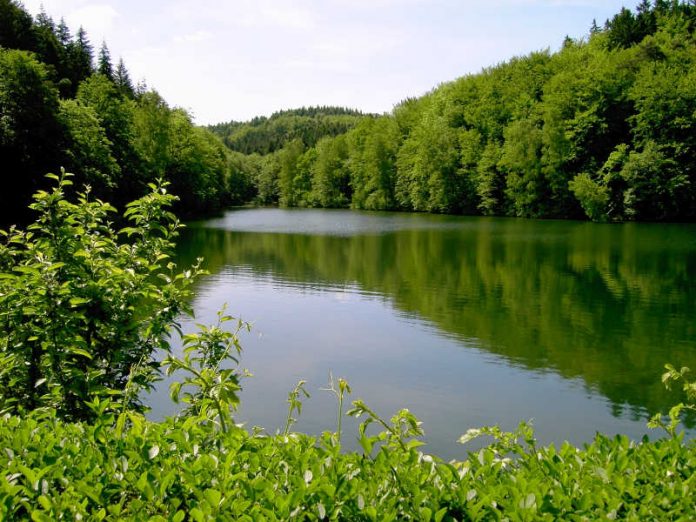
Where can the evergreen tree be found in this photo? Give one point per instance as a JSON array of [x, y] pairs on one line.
[[122, 80], [47, 45], [82, 56], [595, 28], [65, 83], [63, 33], [104, 66], [44, 20]]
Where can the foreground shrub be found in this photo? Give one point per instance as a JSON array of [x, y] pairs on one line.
[[201, 466], [190, 470], [84, 307]]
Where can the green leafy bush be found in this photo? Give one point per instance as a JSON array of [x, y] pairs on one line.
[[189, 469], [593, 196], [83, 307], [215, 389]]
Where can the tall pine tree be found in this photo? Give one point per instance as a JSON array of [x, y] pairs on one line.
[[122, 80], [63, 33], [104, 66], [82, 57]]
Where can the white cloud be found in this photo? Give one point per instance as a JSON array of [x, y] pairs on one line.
[[378, 3], [282, 14], [52, 6], [97, 19], [287, 16], [198, 36], [552, 3]]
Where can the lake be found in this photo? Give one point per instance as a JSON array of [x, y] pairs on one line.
[[465, 321]]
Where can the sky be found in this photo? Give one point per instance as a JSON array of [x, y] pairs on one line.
[[228, 60]]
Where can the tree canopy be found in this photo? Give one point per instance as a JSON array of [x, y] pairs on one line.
[[602, 129], [58, 108]]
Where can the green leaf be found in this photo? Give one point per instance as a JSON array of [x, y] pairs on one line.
[[213, 496], [45, 503], [197, 515], [80, 351], [142, 482]]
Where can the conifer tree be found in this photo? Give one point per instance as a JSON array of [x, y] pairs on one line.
[[122, 79], [104, 66], [47, 45], [44, 20], [83, 56], [595, 28], [63, 33]]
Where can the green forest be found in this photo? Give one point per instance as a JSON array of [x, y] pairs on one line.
[[603, 129], [63, 104]]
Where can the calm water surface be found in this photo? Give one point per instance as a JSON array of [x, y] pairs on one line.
[[465, 321]]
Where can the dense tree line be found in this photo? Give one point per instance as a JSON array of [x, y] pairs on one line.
[[263, 135], [62, 106], [605, 128]]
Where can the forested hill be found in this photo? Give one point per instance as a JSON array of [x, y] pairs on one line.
[[62, 106], [308, 124], [604, 129]]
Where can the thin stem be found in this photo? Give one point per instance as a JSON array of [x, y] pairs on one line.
[[340, 415]]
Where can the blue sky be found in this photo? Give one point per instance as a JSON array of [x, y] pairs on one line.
[[235, 59]]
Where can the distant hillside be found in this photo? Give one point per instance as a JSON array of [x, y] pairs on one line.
[[264, 135]]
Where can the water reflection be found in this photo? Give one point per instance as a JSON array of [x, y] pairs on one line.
[[600, 304]]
